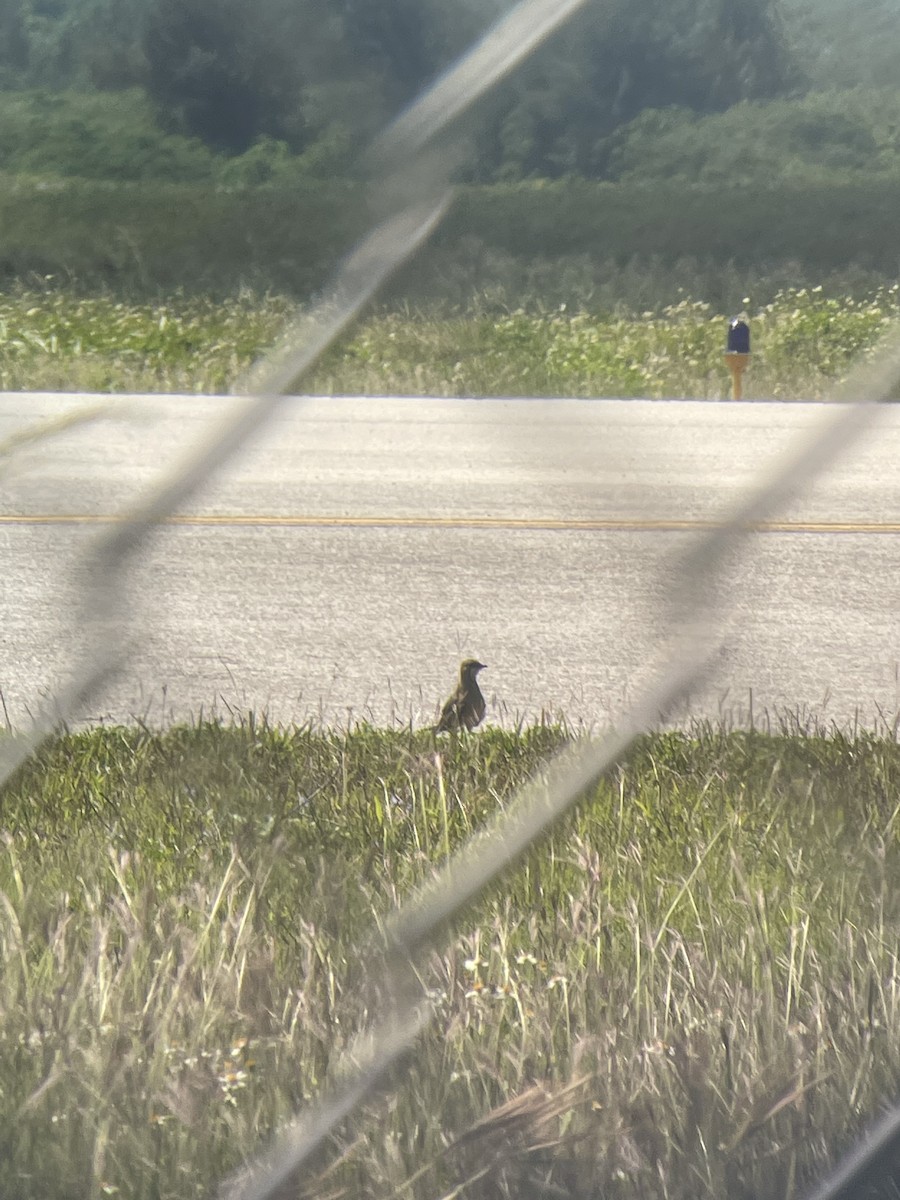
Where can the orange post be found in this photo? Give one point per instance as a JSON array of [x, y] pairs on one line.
[[737, 354], [737, 365]]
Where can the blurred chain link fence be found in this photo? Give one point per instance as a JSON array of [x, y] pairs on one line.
[[411, 166]]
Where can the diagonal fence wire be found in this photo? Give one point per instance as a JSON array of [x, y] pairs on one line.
[[690, 652], [403, 162], [104, 606], [873, 1160]]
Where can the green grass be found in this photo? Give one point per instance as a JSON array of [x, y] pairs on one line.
[[151, 237], [804, 341], [690, 990], [143, 239], [57, 341]]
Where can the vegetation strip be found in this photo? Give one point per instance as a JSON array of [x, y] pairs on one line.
[[694, 978], [804, 342]]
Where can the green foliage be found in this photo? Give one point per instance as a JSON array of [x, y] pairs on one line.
[[149, 239], [407, 43], [47, 136], [233, 71], [804, 342], [102, 344], [826, 136], [301, 71], [268, 161], [614, 60], [566, 241], [14, 40], [64, 43], [664, 993], [820, 225], [805, 331], [95, 135], [846, 43], [226, 71]]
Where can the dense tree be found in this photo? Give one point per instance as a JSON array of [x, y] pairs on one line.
[[408, 42], [617, 59], [60, 43], [822, 136], [301, 72], [396, 41], [14, 47], [216, 70], [846, 43]]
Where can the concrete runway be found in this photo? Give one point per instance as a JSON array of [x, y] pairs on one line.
[[361, 547]]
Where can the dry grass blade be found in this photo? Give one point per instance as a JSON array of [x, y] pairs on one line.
[[768, 1107], [519, 1118], [543, 801], [370, 1065]]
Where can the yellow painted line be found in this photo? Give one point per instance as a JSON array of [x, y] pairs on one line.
[[612, 525]]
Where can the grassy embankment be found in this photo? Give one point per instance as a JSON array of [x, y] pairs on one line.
[[528, 288], [691, 990], [150, 238], [804, 341]]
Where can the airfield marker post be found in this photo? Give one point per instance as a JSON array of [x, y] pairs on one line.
[[737, 354]]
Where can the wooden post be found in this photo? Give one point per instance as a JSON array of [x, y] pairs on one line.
[[737, 354], [737, 365]]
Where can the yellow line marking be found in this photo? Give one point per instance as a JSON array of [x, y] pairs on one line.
[[611, 525]]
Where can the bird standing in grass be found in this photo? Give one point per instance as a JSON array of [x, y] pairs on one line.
[[465, 708]]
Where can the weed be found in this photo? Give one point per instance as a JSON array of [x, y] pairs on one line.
[[689, 989], [804, 341]]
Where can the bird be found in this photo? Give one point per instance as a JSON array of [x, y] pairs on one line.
[[465, 708]]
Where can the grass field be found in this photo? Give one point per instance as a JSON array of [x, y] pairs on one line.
[[567, 239], [690, 990], [804, 341]]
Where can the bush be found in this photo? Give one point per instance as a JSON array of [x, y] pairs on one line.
[[826, 137], [151, 238], [822, 225], [114, 136], [95, 135], [804, 342]]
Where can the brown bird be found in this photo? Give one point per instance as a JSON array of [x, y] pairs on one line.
[[465, 708]]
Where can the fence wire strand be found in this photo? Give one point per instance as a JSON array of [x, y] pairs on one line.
[[415, 183], [401, 161]]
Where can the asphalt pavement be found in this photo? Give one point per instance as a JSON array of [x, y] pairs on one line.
[[361, 547]]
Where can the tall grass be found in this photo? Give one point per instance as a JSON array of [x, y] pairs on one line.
[[146, 238], [690, 990], [56, 341], [804, 340]]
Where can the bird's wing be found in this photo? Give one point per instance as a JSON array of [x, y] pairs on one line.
[[449, 718]]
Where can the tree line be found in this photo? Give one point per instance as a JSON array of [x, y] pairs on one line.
[[309, 73]]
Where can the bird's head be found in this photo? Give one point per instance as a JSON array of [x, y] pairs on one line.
[[470, 668]]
